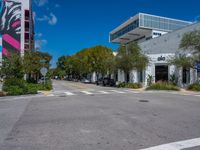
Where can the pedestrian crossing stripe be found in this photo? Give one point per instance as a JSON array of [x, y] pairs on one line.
[[121, 92], [87, 92], [103, 92], [69, 93]]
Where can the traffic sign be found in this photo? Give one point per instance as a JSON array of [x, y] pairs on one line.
[[43, 71]]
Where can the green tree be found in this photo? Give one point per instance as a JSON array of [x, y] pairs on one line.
[[97, 59], [34, 61], [101, 59], [13, 66], [190, 42], [130, 57]]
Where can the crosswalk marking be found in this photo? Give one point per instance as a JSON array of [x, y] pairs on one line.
[[131, 91], [69, 93], [86, 92], [121, 92], [109, 91], [103, 92], [50, 95]]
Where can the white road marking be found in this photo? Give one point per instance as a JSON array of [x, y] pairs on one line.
[[103, 92], [136, 92], [86, 92], [50, 95], [121, 92], [69, 93], [177, 145], [197, 95]]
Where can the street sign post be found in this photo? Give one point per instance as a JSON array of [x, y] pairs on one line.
[[43, 71]]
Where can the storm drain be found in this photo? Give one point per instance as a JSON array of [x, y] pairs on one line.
[[143, 101]]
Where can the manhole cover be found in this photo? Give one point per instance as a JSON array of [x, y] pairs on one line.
[[143, 101]]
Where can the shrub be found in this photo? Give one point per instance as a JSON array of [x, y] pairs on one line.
[[32, 88], [150, 80], [32, 80], [163, 86], [121, 85], [15, 86], [45, 86], [130, 85], [134, 85], [14, 90], [194, 87]]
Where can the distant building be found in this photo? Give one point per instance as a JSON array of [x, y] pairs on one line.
[[16, 27], [159, 38]]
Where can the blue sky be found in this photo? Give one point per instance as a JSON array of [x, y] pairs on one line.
[[64, 27]]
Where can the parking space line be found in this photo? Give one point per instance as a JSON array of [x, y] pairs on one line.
[[180, 145]]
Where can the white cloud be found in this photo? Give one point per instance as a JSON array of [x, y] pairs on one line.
[[40, 2], [39, 35], [197, 18], [57, 5], [40, 43], [51, 19]]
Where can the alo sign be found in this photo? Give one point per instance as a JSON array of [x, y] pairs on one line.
[[161, 58]]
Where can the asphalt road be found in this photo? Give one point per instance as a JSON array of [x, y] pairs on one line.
[[98, 118]]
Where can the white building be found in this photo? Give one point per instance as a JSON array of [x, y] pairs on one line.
[[16, 27], [159, 38]]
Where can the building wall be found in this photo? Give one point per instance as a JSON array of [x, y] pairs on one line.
[[12, 31], [168, 43], [159, 50], [10, 26]]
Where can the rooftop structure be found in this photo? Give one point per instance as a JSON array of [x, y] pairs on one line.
[[142, 27]]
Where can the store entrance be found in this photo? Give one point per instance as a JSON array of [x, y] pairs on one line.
[[161, 73]]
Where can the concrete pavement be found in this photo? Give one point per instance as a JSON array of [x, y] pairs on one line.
[[114, 121]]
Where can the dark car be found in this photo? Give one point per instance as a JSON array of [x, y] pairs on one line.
[[105, 82]]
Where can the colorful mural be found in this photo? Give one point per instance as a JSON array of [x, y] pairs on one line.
[[10, 26]]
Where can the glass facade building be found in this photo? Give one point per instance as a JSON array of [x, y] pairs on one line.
[[130, 27], [150, 22], [161, 23]]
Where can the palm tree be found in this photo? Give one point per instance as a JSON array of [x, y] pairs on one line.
[[190, 43]]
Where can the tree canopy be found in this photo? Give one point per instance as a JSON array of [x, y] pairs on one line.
[[130, 57], [190, 42], [97, 59]]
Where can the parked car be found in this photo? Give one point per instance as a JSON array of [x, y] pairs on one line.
[[105, 82], [84, 80]]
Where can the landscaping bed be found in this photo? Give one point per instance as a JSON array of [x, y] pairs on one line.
[[194, 87], [163, 86], [130, 85], [16, 86]]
